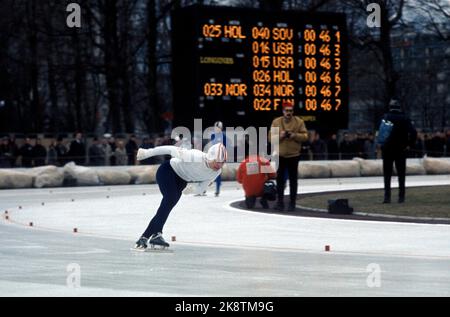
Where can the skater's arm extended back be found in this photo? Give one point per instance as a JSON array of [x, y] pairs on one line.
[[173, 151], [183, 154]]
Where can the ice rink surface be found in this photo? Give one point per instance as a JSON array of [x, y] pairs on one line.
[[219, 251]]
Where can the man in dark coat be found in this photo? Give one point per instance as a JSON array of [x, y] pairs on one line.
[[395, 149], [77, 150]]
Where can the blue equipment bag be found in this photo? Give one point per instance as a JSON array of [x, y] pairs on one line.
[[384, 132]]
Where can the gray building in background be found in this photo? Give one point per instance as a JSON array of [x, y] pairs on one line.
[[423, 63]]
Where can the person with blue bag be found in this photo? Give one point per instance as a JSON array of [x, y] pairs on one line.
[[395, 136]]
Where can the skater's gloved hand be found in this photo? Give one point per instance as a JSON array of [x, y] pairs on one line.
[[142, 154]]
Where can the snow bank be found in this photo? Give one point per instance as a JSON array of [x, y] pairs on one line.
[[73, 175], [47, 176], [436, 166], [310, 170], [345, 169], [83, 176], [15, 179], [143, 174], [114, 177]]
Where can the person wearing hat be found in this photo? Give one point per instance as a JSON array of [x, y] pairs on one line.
[[394, 150], [185, 166], [292, 132]]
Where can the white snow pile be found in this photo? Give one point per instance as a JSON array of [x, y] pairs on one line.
[[143, 174], [311, 170], [47, 176], [345, 169], [114, 177], [15, 179], [83, 176], [436, 166], [370, 167]]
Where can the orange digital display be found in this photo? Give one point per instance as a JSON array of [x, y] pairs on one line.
[[245, 63]]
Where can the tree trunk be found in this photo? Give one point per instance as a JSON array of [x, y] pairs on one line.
[[125, 58], [391, 75], [35, 111], [79, 81], [111, 63], [152, 25]]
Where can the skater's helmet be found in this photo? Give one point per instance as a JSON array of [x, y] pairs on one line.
[[217, 153]]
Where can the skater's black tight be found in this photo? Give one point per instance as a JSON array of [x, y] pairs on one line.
[[171, 186], [291, 164]]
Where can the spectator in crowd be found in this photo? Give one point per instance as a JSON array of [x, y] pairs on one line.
[[292, 132], [120, 154], [26, 152], [318, 148], [305, 149], [347, 147], [370, 147], [252, 173], [61, 151], [333, 148], [4, 152], [8, 153], [12, 151], [359, 145], [106, 149], [418, 150], [96, 153], [438, 144], [132, 148], [113, 146], [39, 153], [77, 150], [52, 154], [403, 135], [429, 148]]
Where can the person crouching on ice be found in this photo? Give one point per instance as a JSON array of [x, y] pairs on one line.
[[252, 176], [185, 166]]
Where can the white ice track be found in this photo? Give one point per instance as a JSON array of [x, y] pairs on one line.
[[123, 212]]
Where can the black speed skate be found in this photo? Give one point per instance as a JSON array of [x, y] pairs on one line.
[[157, 241], [141, 244]]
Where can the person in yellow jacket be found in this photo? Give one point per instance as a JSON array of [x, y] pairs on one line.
[[292, 132]]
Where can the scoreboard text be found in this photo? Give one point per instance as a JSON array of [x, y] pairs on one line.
[[239, 66]]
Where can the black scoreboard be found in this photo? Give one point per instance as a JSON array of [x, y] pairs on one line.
[[239, 65]]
